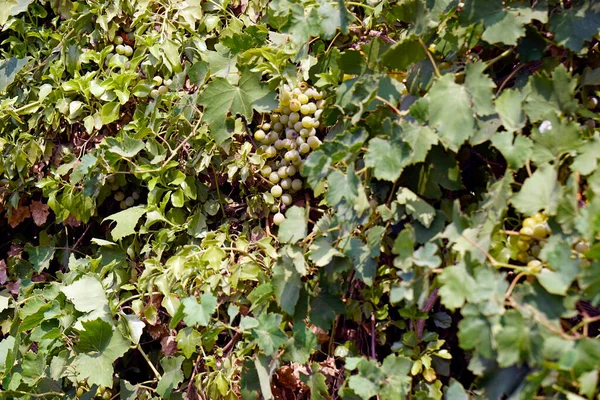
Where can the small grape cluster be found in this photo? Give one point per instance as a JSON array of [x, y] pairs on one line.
[[162, 86], [101, 393], [119, 196], [532, 238], [287, 139]]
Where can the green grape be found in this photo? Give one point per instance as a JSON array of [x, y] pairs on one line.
[[291, 155], [163, 90], [278, 127], [316, 124], [286, 199], [302, 85], [522, 245], [272, 137], [286, 183], [266, 171], [294, 105], [135, 195], [304, 148], [286, 110], [80, 391], [260, 135], [274, 208], [119, 196], [168, 82], [296, 184], [318, 96], [305, 109], [307, 122], [285, 95], [535, 250], [284, 120], [282, 172], [582, 247], [266, 127], [313, 142], [294, 117], [304, 133], [592, 103], [114, 186], [300, 140], [110, 178], [539, 231], [120, 49], [529, 222], [522, 257], [122, 205], [118, 40], [297, 127], [291, 134], [313, 109], [312, 132], [276, 191], [317, 113], [302, 98], [154, 93], [274, 177], [275, 117], [287, 144], [278, 144], [538, 218], [128, 51], [291, 170], [296, 92], [129, 201], [157, 80], [526, 233], [310, 92], [106, 395], [278, 218], [535, 266], [270, 152]]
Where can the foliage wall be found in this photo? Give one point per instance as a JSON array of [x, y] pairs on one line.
[[299, 199]]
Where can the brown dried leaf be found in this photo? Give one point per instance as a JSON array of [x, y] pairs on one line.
[[15, 251], [39, 212], [3, 274], [322, 336], [157, 331], [169, 345], [13, 287], [72, 221], [18, 215]]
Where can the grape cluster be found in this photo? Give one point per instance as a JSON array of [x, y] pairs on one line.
[[162, 86], [286, 139], [120, 196], [532, 238]]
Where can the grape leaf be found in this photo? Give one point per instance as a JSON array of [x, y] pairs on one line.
[[480, 87], [293, 228], [576, 25], [286, 278], [415, 206], [10, 68], [454, 121], [172, 375], [126, 221], [199, 314], [456, 284], [509, 106], [88, 296], [386, 158], [321, 252], [544, 95], [563, 269], [517, 153], [541, 191], [403, 54], [268, 335], [98, 347]]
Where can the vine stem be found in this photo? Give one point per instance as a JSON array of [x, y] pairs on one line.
[[430, 56], [491, 259], [513, 284], [500, 57], [152, 367]]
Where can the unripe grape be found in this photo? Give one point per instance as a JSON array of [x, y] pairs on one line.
[[307, 122], [318, 113], [529, 222], [284, 119], [317, 96], [272, 137], [539, 231], [592, 103], [310, 92], [286, 199], [106, 395], [522, 257], [154, 93], [275, 117], [157, 80], [168, 82], [122, 205], [296, 184], [291, 170], [305, 109], [539, 217], [313, 109], [286, 110], [278, 218], [535, 266], [320, 104], [260, 135], [278, 144], [287, 143], [286, 183], [291, 134], [274, 177], [313, 142], [274, 208], [316, 124], [120, 49], [296, 92], [526, 232], [302, 98], [312, 132], [522, 245], [118, 40], [304, 132], [119, 196], [535, 250], [163, 89], [128, 51], [285, 95], [298, 126], [304, 148], [291, 155], [290, 124], [582, 247], [129, 201], [276, 191], [295, 105], [135, 195], [294, 117], [270, 152], [282, 163], [302, 85], [266, 127], [110, 178], [114, 186], [266, 171], [282, 172], [278, 127]]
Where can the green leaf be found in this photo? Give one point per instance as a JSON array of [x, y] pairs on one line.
[[456, 283], [587, 162], [40, 256], [403, 54], [562, 138], [420, 139], [127, 147], [135, 326], [324, 309], [418, 208], [541, 191], [455, 391], [563, 269], [268, 334], [545, 95], [321, 252], [386, 158], [197, 73], [286, 281], [10, 68], [199, 314], [188, 339], [126, 221], [110, 112], [342, 186], [454, 123], [88, 296], [363, 387], [480, 86], [426, 256], [293, 228], [512, 340], [99, 346], [573, 27], [172, 376], [509, 106], [517, 153]]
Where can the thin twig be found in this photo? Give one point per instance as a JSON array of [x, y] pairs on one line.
[[430, 56], [152, 367]]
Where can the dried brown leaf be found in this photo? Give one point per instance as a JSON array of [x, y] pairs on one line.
[[39, 212], [18, 215], [3, 274], [169, 345]]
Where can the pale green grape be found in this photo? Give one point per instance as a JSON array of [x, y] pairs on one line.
[[278, 218], [276, 191], [286, 199], [286, 183], [260, 135], [296, 184]]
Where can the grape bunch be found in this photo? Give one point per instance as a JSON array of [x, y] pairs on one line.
[[120, 196], [532, 238], [286, 139]]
